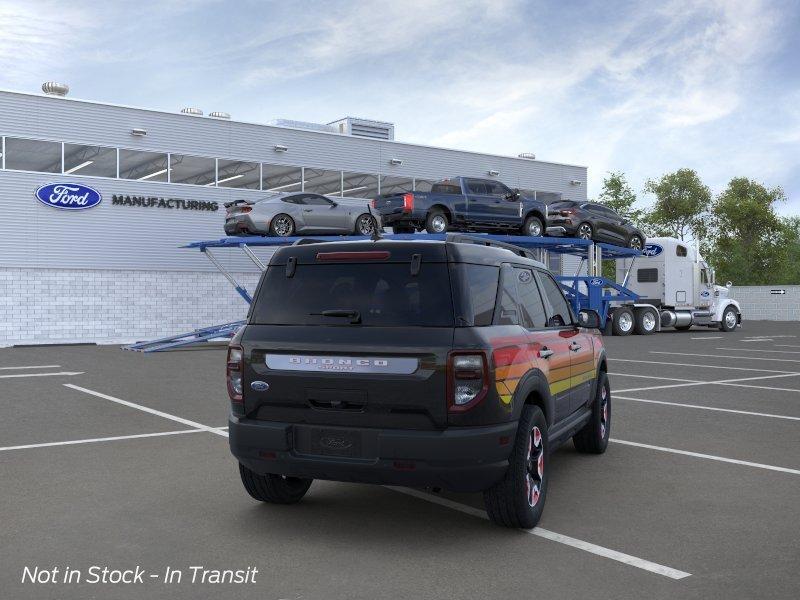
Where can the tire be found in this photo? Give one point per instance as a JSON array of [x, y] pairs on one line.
[[281, 225], [593, 438], [729, 319], [518, 499], [585, 231], [635, 242], [437, 221], [623, 322], [533, 227], [275, 489], [645, 321], [403, 229], [366, 225]]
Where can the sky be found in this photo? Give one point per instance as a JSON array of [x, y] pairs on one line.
[[639, 87]]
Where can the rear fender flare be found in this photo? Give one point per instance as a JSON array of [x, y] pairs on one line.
[[534, 382]]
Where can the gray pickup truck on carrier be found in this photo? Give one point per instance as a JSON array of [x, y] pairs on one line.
[[464, 204], [446, 364]]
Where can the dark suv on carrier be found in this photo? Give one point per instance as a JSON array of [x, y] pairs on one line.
[[446, 364]]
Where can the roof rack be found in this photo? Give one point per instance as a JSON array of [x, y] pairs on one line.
[[460, 238]]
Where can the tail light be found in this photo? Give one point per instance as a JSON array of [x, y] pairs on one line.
[[408, 202], [567, 212], [233, 372], [245, 209], [374, 203], [467, 379]]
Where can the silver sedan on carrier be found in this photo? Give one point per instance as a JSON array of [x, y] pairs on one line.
[[293, 213]]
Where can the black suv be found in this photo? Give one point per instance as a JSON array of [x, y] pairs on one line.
[[448, 364], [591, 221]]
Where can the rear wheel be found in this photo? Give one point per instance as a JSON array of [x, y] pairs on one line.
[[275, 489], [366, 225], [518, 500], [593, 438], [281, 225], [436, 222], [585, 231], [645, 322], [729, 319], [623, 322], [635, 242], [533, 227]]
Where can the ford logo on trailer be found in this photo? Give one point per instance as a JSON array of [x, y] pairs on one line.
[[596, 282], [652, 250], [68, 196]]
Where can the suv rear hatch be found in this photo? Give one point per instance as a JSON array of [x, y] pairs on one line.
[[352, 334]]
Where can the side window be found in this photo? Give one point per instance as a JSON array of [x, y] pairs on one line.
[[478, 292], [476, 186], [559, 313], [315, 200], [703, 276], [496, 188], [294, 200], [681, 250], [530, 301], [507, 312]]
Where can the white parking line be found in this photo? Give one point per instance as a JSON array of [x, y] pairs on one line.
[[64, 373], [655, 362], [103, 439], [31, 367], [728, 356], [717, 382], [627, 559], [616, 374], [152, 411], [727, 410], [708, 456], [708, 337], [759, 350]]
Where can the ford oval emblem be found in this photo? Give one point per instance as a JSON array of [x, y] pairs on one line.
[[259, 386], [68, 196], [596, 282], [705, 293], [652, 250], [335, 443]]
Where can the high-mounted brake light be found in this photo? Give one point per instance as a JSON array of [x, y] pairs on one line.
[[368, 255], [408, 202], [233, 371], [467, 379]]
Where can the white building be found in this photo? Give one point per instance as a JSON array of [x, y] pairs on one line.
[[116, 272]]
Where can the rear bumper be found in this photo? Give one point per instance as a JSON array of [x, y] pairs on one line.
[[397, 216], [467, 459], [244, 225]]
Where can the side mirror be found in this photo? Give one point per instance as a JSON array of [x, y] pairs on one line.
[[589, 319], [334, 204]]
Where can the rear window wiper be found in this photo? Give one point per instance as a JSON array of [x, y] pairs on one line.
[[353, 315]]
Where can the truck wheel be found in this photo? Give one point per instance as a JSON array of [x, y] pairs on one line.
[[518, 499], [436, 222], [593, 438], [623, 322], [533, 227], [729, 319], [281, 225], [645, 323], [275, 489]]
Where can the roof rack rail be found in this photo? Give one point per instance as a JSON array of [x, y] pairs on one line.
[[460, 238]]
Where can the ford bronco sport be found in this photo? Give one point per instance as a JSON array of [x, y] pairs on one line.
[[445, 364]]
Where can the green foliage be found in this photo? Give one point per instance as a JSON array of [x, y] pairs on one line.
[[618, 195], [681, 206]]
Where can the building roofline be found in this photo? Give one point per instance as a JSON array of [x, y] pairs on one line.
[[165, 112]]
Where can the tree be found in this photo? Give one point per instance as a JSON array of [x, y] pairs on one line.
[[751, 244], [618, 196], [681, 206]]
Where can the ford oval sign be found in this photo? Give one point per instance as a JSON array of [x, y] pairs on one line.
[[652, 250], [68, 196], [595, 282]]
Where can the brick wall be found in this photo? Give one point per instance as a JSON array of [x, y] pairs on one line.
[[759, 304], [47, 306]]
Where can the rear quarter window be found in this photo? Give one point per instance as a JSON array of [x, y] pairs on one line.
[[475, 290]]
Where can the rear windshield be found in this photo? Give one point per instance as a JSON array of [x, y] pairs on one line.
[[446, 187], [384, 295]]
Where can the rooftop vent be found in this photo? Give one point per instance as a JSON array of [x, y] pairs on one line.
[[192, 111], [527, 155], [219, 115], [377, 130], [303, 125], [51, 88]]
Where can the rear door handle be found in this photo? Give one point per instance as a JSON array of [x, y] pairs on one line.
[[545, 352], [307, 210]]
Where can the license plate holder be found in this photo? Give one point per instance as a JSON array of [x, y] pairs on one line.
[[324, 441]]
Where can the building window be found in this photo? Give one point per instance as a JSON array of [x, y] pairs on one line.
[[143, 166], [280, 178], [194, 170], [97, 161], [237, 174], [320, 181], [423, 185], [359, 185], [33, 155], [396, 185]]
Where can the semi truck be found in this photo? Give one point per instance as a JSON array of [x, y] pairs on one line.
[[676, 289]]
